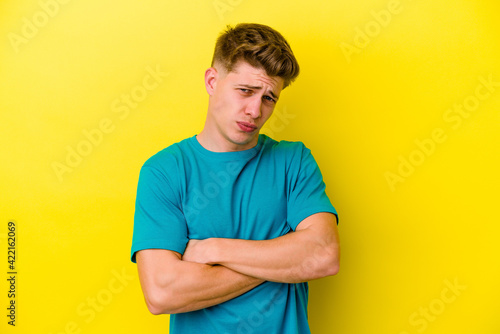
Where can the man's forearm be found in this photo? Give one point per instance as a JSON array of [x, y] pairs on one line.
[[187, 286], [303, 255], [208, 286], [289, 259]]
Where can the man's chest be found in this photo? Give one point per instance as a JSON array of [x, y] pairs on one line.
[[245, 202]]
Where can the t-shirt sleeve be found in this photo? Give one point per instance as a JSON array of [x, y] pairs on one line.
[[158, 220], [306, 189]]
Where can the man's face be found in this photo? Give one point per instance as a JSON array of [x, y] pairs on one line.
[[241, 101]]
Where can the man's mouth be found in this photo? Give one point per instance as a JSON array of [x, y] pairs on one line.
[[247, 127]]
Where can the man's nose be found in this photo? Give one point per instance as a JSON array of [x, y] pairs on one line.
[[254, 107]]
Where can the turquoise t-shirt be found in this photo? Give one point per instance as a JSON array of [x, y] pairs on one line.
[[187, 192]]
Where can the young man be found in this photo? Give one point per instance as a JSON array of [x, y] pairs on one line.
[[231, 224]]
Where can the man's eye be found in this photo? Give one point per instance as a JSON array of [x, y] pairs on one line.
[[244, 90], [270, 99]]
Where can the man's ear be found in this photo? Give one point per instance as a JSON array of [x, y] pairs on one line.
[[211, 76]]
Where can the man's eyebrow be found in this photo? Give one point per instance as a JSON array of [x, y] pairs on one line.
[[259, 87], [274, 96]]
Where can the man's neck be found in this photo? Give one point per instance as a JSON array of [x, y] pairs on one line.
[[216, 142]]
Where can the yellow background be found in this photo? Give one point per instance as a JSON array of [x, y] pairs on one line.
[[360, 112]]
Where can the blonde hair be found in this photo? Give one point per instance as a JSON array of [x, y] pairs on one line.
[[260, 46]]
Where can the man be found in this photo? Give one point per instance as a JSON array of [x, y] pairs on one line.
[[231, 224]]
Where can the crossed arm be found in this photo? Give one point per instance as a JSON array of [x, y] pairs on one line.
[[215, 270]]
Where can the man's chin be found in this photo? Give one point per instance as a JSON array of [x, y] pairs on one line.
[[246, 140]]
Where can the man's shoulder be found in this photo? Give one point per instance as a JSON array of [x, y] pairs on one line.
[[170, 156], [284, 147]]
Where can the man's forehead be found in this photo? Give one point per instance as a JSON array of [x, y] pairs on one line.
[[243, 67], [244, 71]]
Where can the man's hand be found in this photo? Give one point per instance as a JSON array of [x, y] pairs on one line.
[[312, 251], [198, 251]]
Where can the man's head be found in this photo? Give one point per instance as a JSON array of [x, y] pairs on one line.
[[258, 45], [252, 63]]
